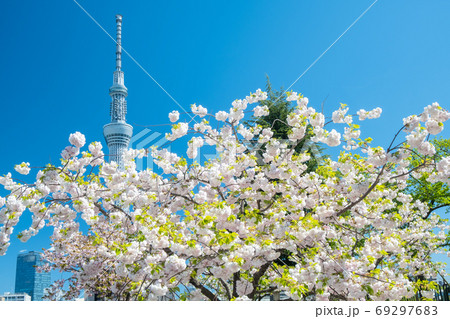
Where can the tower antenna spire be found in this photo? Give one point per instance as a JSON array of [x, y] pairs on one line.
[[119, 42]]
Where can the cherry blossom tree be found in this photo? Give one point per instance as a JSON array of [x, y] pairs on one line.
[[215, 231]]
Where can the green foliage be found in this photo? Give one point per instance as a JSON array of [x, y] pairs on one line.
[[279, 110], [436, 195]]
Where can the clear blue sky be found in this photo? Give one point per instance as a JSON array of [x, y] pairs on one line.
[[56, 66]]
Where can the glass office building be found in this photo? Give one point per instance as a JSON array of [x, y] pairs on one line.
[[28, 280]]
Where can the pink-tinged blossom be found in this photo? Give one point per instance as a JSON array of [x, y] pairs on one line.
[[109, 168], [244, 287], [174, 264], [96, 149], [434, 127], [174, 116], [323, 297], [435, 112], [426, 148], [69, 152], [411, 123], [443, 170], [77, 139], [416, 138]]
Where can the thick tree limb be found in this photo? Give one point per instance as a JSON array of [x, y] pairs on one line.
[[375, 183], [433, 209], [227, 289], [257, 276], [203, 290], [236, 277]]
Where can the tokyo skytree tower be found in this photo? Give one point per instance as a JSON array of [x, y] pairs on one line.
[[118, 133]]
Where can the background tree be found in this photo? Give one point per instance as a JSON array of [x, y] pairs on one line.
[[279, 108], [436, 195]]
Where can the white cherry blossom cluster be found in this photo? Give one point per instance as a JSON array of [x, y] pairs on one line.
[[339, 116], [23, 168], [373, 114], [77, 139], [178, 130], [221, 116], [174, 116], [433, 116], [199, 110], [259, 111]]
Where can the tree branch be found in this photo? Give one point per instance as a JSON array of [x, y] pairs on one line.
[[236, 277], [433, 209], [375, 183], [227, 289], [257, 276], [203, 290]]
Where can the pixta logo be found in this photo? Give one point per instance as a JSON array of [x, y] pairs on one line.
[[148, 139]]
